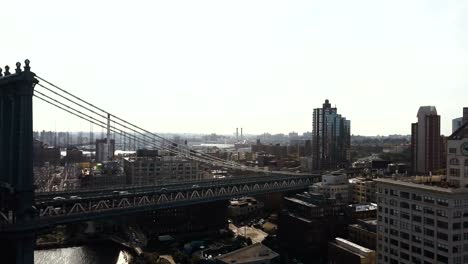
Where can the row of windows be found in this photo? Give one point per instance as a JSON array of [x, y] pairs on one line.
[[414, 196], [417, 208], [455, 161], [414, 259], [417, 260], [454, 172]]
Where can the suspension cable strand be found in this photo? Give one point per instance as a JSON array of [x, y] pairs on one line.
[[102, 116], [115, 122], [116, 117], [174, 147], [102, 125]]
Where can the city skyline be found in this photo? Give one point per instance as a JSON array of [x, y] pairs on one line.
[[211, 67]]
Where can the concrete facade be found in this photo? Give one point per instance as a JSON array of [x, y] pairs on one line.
[[421, 223], [457, 157], [334, 185]]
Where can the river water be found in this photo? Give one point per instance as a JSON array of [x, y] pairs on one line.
[[96, 254]]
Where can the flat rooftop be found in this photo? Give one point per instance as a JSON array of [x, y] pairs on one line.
[[249, 254], [352, 247], [409, 182], [295, 200], [363, 207]]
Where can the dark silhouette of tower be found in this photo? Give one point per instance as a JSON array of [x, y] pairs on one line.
[[16, 159]]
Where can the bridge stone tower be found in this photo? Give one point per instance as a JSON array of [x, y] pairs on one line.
[[16, 172]]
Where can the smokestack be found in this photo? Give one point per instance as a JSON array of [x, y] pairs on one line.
[[237, 133]]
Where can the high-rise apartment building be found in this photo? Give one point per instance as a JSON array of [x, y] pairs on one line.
[[421, 223], [331, 138], [425, 141], [425, 219], [458, 122], [104, 151]]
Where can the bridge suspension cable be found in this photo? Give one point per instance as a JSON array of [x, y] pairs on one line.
[[99, 122], [126, 124], [170, 149]]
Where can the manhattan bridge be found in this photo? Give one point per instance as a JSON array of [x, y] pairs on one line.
[[24, 211]]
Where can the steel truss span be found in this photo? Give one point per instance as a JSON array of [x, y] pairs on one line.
[[105, 204]]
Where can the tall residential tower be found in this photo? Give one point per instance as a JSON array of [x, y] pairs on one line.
[[331, 138], [426, 141]]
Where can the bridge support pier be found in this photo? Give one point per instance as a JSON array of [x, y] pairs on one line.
[[18, 248], [16, 171]]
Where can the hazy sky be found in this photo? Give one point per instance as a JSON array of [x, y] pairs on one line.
[[212, 66]]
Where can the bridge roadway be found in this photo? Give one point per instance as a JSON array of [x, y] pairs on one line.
[[84, 193], [106, 203]]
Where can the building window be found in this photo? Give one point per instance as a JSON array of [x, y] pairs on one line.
[[405, 215], [427, 221], [453, 150], [442, 236], [442, 259], [442, 247], [442, 213], [428, 199], [416, 207], [428, 210], [416, 250], [403, 245], [429, 254], [454, 161], [416, 197], [428, 232], [417, 218], [417, 239], [404, 255], [417, 229], [405, 195], [404, 235], [466, 162], [454, 172], [443, 202], [428, 243], [442, 224]]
